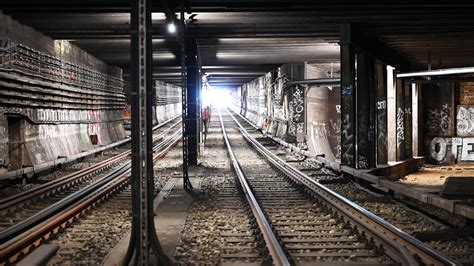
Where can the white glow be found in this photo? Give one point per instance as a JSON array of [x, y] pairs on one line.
[[438, 72], [158, 16], [216, 98], [171, 28], [163, 55]]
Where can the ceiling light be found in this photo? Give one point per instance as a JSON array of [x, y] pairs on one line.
[[438, 72], [171, 27]]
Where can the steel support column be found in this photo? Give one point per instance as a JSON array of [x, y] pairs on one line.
[[400, 105], [144, 247], [365, 111], [348, 126], [190, 86], [408, 122], [382, 135], [193, 88]]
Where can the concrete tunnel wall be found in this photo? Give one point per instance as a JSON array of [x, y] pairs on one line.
[[442, 132], [307, 116], [81, 105], [167, 101], [448, 121]]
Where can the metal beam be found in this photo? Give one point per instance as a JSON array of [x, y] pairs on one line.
[[144, 247], [381, 91], [348, 128], [365, 111], [193, 88], [185, 104], [400, 119], [379, 49]]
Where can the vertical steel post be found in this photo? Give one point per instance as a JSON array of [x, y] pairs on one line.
[[408, 122], [382, 134], [365, 111], [400, 119], [347, 96], [184, 98], [144, 247], [193, 90]]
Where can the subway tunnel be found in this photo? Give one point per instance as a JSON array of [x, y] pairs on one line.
[[236, 132]]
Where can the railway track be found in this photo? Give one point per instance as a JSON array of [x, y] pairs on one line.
[[312, 224], [19, 206], [10, 188], [453, 241], [21, 238], [242, 239], [453, 236]]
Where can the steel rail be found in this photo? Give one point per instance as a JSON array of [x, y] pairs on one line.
[[27, 195], [399, 245], [20, 227], [25, 242], [67, 159], [276, 251]]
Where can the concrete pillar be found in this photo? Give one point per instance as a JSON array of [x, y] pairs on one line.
[[391, 114]]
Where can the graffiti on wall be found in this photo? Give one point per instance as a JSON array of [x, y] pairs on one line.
[[348, 143], [319, 130], [438, 121], [400, 126], [459, 148], [335, 129], [363, 145], [296, 112], [45, 115], [3, 141], [465, 120], [382, 105], [347, 136], [408, 132], [382, 130]]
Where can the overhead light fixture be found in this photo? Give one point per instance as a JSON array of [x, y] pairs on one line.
[[438, 72], [171, 27]]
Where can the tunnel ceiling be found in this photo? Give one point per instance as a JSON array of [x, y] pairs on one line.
[[241, 40]]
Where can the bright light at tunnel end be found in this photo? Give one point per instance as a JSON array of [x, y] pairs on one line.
[[216, 97]]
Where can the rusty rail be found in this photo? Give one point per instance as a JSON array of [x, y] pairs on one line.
[[400, 246], [13, 249]]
